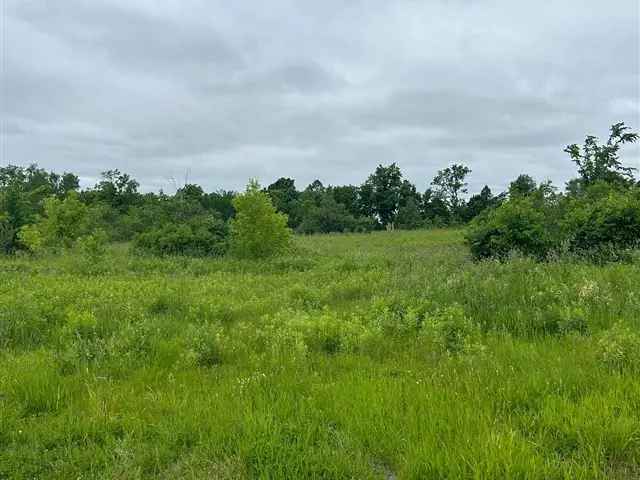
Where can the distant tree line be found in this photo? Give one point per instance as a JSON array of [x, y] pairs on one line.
[[41, 209], [384, 201]]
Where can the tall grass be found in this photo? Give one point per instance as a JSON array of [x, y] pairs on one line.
[[385, 355]]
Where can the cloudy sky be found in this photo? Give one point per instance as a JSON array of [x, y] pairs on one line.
[[216, 92]]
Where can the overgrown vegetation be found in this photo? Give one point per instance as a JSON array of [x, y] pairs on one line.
[[598, 217], [381, 355], [194, 336]]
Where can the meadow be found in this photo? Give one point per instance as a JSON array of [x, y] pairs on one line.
[[389, 355]]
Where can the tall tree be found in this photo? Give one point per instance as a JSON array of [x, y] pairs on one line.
[[284, 196], [384, 186], [522, 186], [602, 162], [117, 189], [450, 184], [347, 195], [221, 202], [478, 203], [434, 208]]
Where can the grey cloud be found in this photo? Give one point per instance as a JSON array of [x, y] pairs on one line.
[[227, 91]]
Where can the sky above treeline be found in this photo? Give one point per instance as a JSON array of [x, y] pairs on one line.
[[215, 92]]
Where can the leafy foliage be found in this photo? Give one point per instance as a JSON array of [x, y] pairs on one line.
[[522, 186], [383, 193], [450, 183], [258, 230], [599, 216], [328, 216], [523, 224], [201, 235], [601, 163], [603, 216], [63, 222]]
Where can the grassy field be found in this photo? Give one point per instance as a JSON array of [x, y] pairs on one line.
[[387, 355]]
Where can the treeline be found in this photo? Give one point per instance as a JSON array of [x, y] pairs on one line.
[[45, 210], [189, 219]]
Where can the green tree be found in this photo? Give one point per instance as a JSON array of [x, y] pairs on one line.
[[602, 162], [192, 193], [62, 223], [14, 214], [522, 186], [347, 195], [221, 202], [384, 190], [284, 196], [329, 216], [409, 217], [479, 203], [258, 230], [434, 209], [117, 190], [449, 184]]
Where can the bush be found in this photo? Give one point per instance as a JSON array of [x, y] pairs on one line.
[[603, 217], [525, 224], [7, 235], [453, 332], [93, 247], [601, 222], [204, 235], [258, 230], [330, 216], [63, 222]]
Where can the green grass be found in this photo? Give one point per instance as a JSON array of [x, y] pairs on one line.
[[386, 355]]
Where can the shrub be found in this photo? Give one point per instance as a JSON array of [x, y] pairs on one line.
[[7, 235], [396, 318], [15, 212], [31, 238], [452, 331], [409, 217], [203, 346], [93, 246], [619, 348], [603, 217], [328, 333], [329, 216], [525, 224], [258, 230], [63, 222], [82, 341], [204, 235]]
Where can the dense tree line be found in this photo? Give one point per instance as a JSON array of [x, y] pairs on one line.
[[116, 206], [40, 209]]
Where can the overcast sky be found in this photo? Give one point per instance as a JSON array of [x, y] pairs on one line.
[[220, 91]]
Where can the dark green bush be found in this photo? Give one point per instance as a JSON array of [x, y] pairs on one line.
[[599, 223], [603, 218], [203, 235], [330, 216], [523, 224]]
